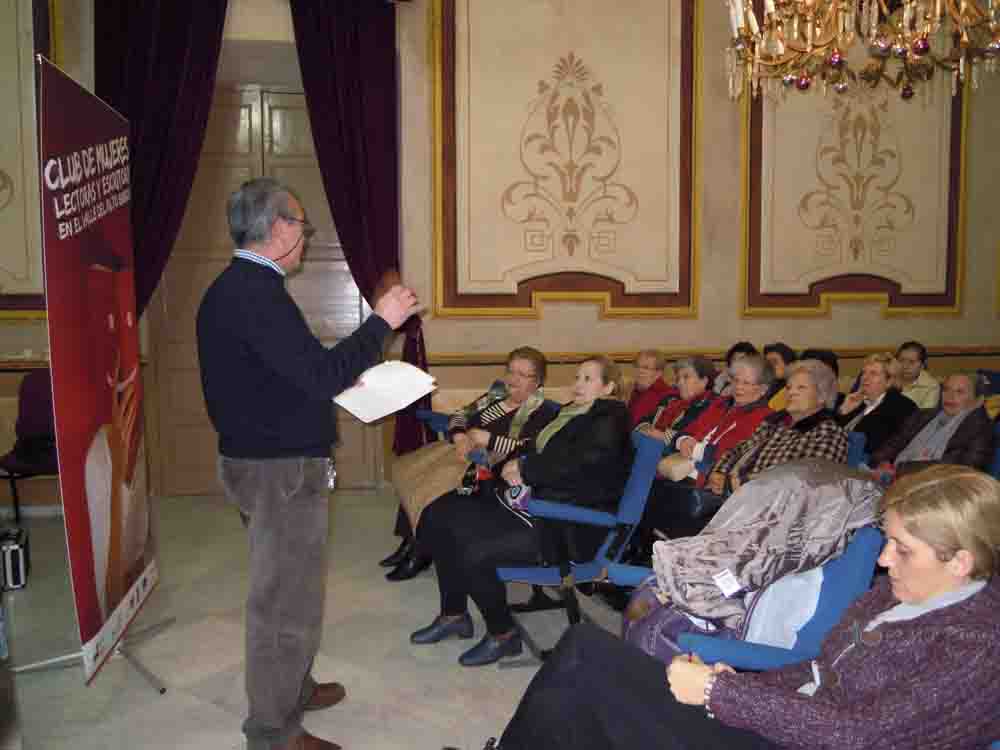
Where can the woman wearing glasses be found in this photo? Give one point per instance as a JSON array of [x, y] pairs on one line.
[[912, 663]]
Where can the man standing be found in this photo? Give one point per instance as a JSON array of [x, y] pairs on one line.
[[268, 384]]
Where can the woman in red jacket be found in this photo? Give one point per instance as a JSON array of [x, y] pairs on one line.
[[677, 507]]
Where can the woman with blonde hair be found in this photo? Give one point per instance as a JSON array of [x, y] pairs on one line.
[[581, 457], [912, 663], [878, 408]]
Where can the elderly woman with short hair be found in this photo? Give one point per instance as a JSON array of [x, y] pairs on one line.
[[675, 506], [694, 377], [912, 663], [806, 429], [499, 423], [649, 387], [877, 409], [581, 457], [959, 433]]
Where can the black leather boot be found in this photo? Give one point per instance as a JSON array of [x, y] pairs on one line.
[[411, 567], [401, 553]]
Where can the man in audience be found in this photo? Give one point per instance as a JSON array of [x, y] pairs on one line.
[[650, 388], [915, 382], [960, 432]]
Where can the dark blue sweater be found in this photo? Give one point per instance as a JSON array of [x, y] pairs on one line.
[[268, 381]]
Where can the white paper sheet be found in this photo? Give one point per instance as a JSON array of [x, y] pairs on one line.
[[385, 389]]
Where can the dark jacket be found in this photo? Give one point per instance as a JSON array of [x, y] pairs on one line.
[[268, 381], [587, 461], [883, 421], [643, 404], [971, 445]]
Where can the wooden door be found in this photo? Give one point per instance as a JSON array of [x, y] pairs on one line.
[[250, 133]]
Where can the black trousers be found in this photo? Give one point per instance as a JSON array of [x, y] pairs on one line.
[[469, 536], [596, 692], [675, 509]]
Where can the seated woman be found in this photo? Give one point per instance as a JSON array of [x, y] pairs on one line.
[[674, 507], [694, 394], [916, 383], [737, 351], [581, 457], [877, 409], [959, 433], [779, 355], [498, 422], [650, 388], [912, 663], [806, 429]]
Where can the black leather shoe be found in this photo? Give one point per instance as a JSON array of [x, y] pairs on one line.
[[441, 629], [402, 552], [411, 567], [491, 649]]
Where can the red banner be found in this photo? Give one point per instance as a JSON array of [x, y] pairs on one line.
[[94, 346]]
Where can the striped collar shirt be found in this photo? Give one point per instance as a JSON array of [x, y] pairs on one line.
[[260, 260]]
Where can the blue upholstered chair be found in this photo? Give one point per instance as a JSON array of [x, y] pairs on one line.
[[436, 420], [566, 574], [995, 465], [856, 454], [845, 578]]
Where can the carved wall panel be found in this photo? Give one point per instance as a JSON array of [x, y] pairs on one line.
[[21, 279], [855, 196], [564, 134]]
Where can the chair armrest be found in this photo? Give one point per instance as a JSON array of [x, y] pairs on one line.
[[436, 420], [628, 575], [739, 654], [573, 513]]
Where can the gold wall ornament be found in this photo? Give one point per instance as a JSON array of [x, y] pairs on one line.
[[793, 44], [487, 264], [908, 251], [571, 150], [859, 165]]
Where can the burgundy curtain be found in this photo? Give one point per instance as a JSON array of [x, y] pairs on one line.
[[155, 62], [347, 53]]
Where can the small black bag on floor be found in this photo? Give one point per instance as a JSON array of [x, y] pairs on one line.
[[15, 558]]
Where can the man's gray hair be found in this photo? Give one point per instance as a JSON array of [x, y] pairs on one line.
[[822, 376], [253, 209], [763, 373]]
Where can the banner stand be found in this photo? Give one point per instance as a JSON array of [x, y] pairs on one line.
[[121, 649]]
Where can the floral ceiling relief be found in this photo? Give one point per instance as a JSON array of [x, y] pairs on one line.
[[570, 151], [859, 210]]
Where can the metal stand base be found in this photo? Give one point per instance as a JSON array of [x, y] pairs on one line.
[[122, 650]]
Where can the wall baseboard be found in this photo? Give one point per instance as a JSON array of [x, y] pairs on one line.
[[33, 511]]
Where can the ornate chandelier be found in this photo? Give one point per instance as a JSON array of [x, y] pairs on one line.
[[805, 43]]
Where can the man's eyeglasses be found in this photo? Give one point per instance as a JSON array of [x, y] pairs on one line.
[[308, 230]]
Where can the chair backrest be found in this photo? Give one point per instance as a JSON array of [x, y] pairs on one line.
[[995, 466], [34, 406], [648, 452], [856, 448], [845, 578]]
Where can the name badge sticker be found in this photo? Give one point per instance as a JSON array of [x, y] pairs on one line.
[[727, 582]]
